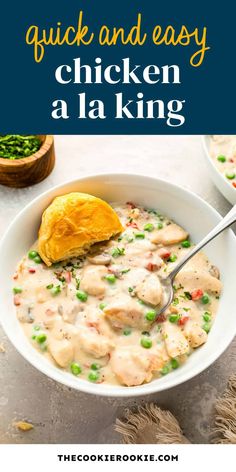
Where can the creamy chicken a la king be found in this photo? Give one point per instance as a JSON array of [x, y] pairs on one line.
[[93, 315], [223, 153]]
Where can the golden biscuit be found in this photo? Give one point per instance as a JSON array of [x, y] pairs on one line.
[[72, 223]]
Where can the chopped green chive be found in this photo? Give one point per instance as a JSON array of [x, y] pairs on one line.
[[49, 286], [117, 251], [95, 366], [150, 315], [75, 368], [205, 299], [139, 235], [146, 343], [221, 158], [36, 327], [55, 290], [130, 289], [33, 336], [125, 271], [17, 290], [175, 301], [127, 332], [186, 243], [160, 226], [148, 227], [82, 296], [111, 278]]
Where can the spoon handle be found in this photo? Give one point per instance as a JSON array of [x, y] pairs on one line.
[[227, 221]]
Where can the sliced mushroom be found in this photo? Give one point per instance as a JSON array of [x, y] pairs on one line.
[[214, 271], [100, 259]]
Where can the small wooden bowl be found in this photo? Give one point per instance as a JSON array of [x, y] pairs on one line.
[[30, 170]]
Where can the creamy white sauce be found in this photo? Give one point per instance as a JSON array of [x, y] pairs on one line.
[[223, 153], [107, 334]]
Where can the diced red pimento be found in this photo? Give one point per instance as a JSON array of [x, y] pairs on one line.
[[151, 267], [183, 320], [196, 294], [164, 253], [131, 204], [132, 224], [17, 300], [15, 276], [68, 276], [32, 271], [234, 184]]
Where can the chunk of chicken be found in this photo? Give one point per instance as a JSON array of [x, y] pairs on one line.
[[68, 309], [124, 311], [170, 234], [61, 351], [94, 343], [175, 341], [92, 280], [195, 335], [132, 366], [193, 279], [150, 290]]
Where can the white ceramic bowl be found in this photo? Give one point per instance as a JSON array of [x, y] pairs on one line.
[[186, 209], [223, 185]]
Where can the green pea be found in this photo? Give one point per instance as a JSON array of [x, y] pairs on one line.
[[146, 342], [207, 316], [206, 327], [205, 299], [160, 226], [148, 227], [82, 296], [111, 278], [186, 243], [127, 332], [37, 260], [17, 290], [230, 175], [165, 370], [172, 258], [139, 235], [102, 306], [32, 254], [174, 363], [95, 366], [174, 318], [75, 368], [93, 376], [221, 158], [41, 338], [55, 290], [150, 315]]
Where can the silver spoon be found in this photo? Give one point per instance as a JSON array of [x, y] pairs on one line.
[[168, 282]]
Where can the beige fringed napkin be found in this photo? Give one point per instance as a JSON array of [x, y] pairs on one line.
[[149, 424]]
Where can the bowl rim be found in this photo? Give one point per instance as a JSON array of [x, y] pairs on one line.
[[109, 390], [210, 161], [44, 148]]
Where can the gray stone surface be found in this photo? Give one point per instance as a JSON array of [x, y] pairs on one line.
[[62, 415]]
